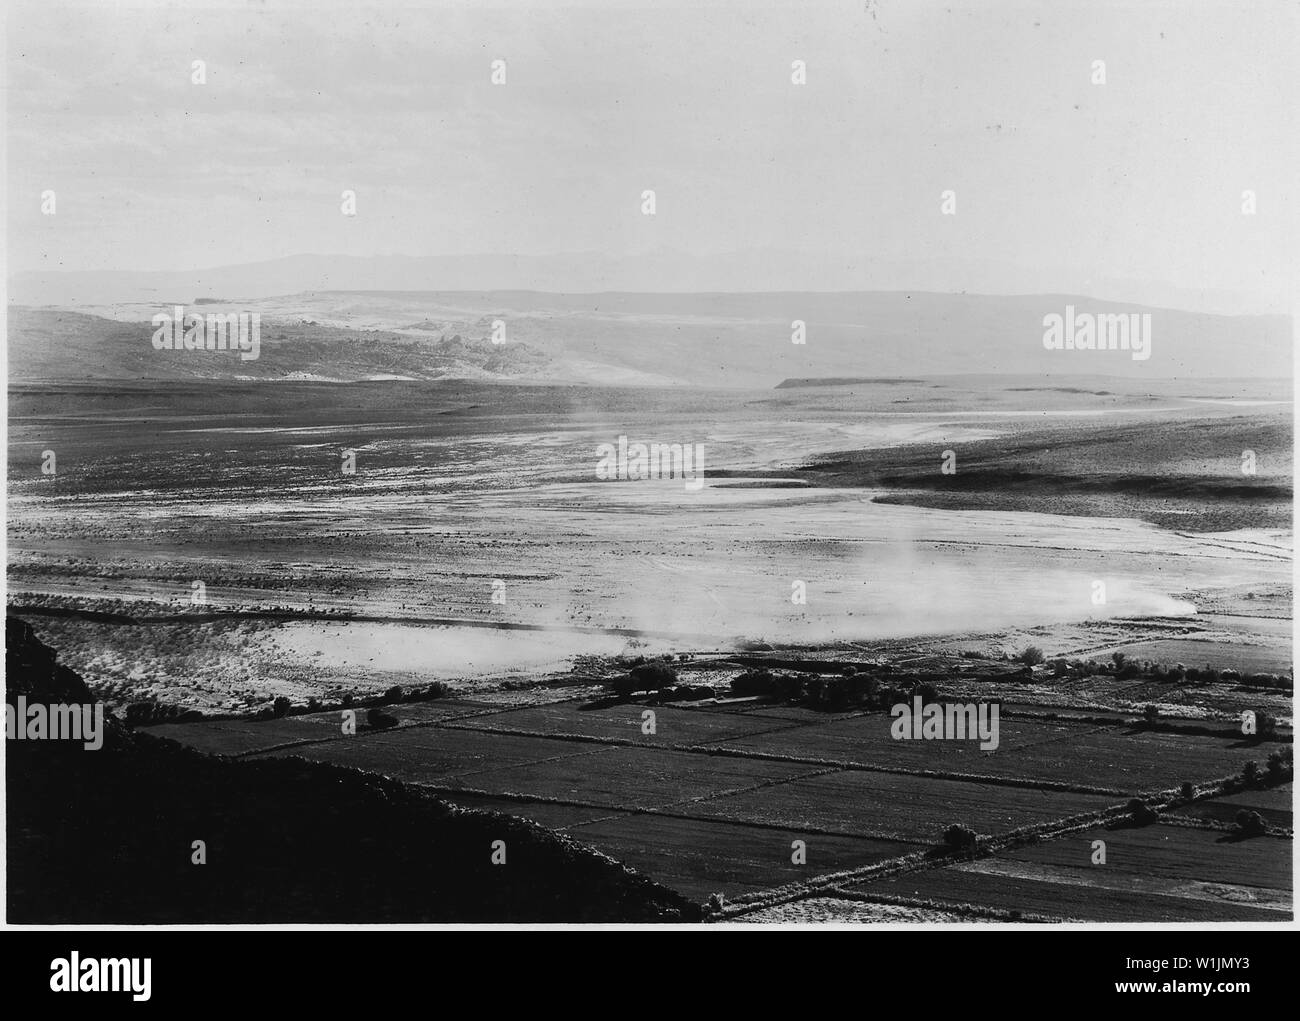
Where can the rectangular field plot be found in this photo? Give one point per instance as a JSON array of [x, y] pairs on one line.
[[621, 777], [898, 807], [770, 710], [698, 857], [1110, 758], [866, 740], [430, 755], [238, 737], [624, 722], [1063, 899], [1222, 655], [1274, 804], [1165, 859], [1135, 760]]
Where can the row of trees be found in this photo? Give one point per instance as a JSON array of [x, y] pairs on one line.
[[1121, 666], [850, 689]]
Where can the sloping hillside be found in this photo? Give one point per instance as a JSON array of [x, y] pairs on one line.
[[107, 836]]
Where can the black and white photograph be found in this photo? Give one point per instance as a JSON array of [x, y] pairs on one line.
[[735, 465]]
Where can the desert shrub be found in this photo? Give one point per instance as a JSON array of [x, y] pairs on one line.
[[144, 714], [280, 707], [1060, 667], [789, 687], [394, 694], [716, 902], [753, 682], [1250, 824], [313, 705], [1250, 773], [927, 691], [1280, 768], [653, 676], [855, 689], [1118, 659], [959, 837], [1140, 812], [1032, 656], [1188, 790], [836, 694], [1128, 670], [813, 688], [380, 720], [1150, 713], [1229, 675]]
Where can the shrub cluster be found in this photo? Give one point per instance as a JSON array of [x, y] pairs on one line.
[[849, 689], [654, 676]]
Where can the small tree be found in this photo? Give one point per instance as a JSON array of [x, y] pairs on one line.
[[960, 838], [1032, 656], [1279, 769], [1140, 812], [1251, 824], [1150, 713], [1250, 773], [280, 707]]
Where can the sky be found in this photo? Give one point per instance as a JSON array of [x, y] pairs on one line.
[[1059, 182]]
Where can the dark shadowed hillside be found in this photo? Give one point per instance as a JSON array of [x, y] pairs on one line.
[[106, 837]]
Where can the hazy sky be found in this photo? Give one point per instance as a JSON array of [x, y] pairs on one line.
[[1140, 178]]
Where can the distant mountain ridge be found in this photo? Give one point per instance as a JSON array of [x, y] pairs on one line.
[[724, 339], [657, 271]]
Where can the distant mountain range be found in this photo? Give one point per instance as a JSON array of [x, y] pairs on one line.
[[655, 271], [715, 339]]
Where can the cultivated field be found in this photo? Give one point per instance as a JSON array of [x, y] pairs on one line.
[[714, 800]]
